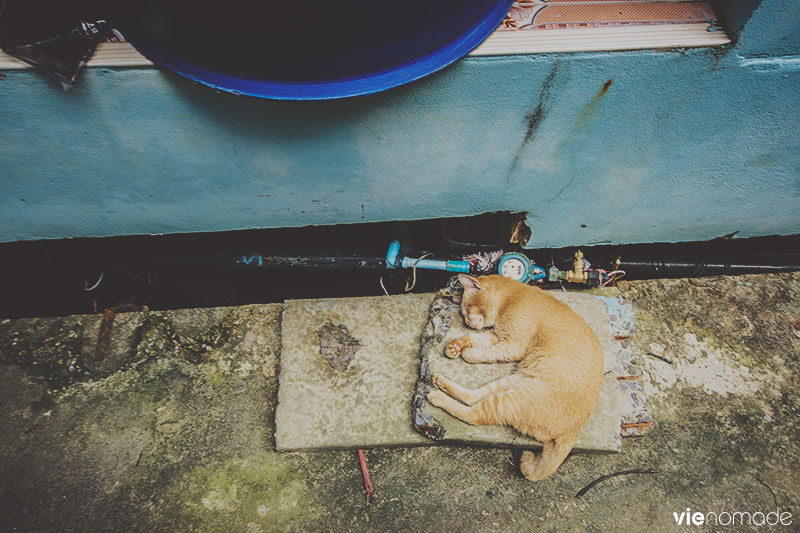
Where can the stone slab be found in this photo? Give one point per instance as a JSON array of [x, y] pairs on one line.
[[369, 403], [600, 433]]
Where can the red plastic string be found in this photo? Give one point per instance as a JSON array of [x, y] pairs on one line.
[[367, 480]]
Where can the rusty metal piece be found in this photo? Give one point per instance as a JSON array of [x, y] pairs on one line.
[[103, 346], [636, 429]]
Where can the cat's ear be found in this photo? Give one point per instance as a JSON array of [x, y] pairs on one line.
[[469, 282]]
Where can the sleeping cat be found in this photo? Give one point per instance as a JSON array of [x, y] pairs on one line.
[[558, 379]]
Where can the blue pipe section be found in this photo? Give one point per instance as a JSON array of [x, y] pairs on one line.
[[436, 264], [391, 255], [393, 261]]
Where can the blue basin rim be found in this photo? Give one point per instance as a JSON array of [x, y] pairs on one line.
[[329, 89]]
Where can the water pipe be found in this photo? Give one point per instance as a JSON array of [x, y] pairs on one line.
[[394, 261], [392, 253], [436, 264]]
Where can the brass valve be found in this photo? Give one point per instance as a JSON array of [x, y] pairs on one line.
[[578, 274]]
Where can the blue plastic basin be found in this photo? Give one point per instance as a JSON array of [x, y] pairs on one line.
[[309, 50]]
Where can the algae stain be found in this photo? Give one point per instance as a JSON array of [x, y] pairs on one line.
[[52, 350], [220, 498], [262, 489], [536, 116]]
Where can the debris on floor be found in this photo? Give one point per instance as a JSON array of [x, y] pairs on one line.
[[337, 346]]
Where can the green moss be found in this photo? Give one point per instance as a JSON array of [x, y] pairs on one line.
[[155, 337], [262, 492], [214, 350], [51, 350]]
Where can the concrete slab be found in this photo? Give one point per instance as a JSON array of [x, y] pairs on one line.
[[368, 404]]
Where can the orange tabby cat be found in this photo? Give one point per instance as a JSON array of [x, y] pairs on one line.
[[557, 382]]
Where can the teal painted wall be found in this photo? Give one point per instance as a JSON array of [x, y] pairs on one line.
[[616, 147]]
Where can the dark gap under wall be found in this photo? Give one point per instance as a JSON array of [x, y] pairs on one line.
[[55, 278], [52, 278]]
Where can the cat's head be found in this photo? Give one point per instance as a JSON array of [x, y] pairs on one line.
[[479, 304]]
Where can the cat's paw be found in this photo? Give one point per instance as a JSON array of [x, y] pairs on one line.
[[457, 347], [473, 355], [439, 381], [437, 398]]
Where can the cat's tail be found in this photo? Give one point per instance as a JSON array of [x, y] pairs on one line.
[[536, 467]]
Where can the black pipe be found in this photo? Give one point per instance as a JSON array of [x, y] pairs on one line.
[[683, 260], [697, 267], [272, 259], [635, 268], [342, 260]]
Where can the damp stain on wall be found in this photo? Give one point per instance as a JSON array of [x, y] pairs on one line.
[[535, 117]]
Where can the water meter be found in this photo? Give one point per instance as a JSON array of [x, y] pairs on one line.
[[519, 267]]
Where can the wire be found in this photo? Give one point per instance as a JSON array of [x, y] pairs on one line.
[[414, 272], [120, 267], [614, 275], [96, 283], [380, 279]]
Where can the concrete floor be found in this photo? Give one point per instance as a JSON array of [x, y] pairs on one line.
[[180, 437]]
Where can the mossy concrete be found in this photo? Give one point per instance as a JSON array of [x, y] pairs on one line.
[[179, 438]]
